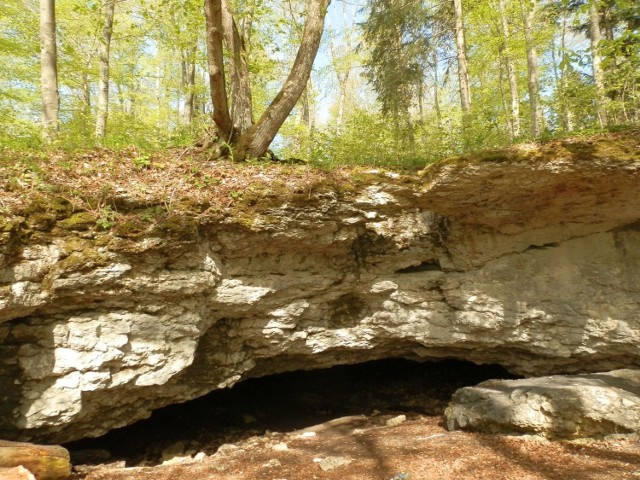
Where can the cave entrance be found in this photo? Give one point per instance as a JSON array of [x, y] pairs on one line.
[[284, 403]]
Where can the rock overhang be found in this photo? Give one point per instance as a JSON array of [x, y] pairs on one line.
[[532, 266]]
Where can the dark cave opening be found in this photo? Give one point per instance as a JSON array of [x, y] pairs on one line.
[[284, 403]]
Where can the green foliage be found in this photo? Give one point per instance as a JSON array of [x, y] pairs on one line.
[[393, 63], [366, 139], [106, 218], [397, 32], [141, 162]]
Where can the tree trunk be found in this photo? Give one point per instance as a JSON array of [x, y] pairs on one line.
[[241, 102], [507, 114], [255, 142], [598, 76], [103, 86], [608, 22], [247, 26], [528, 17], [86, 105], [49, 70], [215, 62], [436, 89], [566, 114], [616, 93], [511, 73], [341, 101], [189, 82], [305, 118], [463, 66], [46, 462], [343, 79], [159, 95]]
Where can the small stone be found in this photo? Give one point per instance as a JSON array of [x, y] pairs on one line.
[[331, 463], [200, 456], [280, 447], [384, 286], [114, 465], [16, 473], [395, 421], [227, 448], [307, 434], [178, 460], [400, 476], [274, 462], [174, 450]]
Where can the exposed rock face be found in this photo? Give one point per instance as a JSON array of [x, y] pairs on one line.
[[529, 264], [556, 406]]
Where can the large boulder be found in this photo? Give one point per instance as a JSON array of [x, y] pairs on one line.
[[562, 406], [25, 460]]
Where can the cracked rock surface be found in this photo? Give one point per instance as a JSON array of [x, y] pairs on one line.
[[531, 265]]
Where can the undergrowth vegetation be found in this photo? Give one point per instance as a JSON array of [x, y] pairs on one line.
[[102, 186]]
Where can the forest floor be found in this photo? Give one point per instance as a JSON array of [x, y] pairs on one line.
[[419, 448], [129, 185], [379, 420]]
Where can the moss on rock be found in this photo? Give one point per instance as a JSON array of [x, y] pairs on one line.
[[84, 260], [80, 221], [130, 228], [178, 226]]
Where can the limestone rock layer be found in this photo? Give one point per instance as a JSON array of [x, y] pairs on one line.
[[532, 264]]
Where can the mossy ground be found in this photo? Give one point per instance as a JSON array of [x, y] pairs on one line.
[[103, 191], [622, 146]]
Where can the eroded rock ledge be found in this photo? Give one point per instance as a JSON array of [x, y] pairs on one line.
[[531, 263]]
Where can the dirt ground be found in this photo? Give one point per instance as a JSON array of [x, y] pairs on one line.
[[384, 447]]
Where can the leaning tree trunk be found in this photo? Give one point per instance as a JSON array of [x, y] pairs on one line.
[[596, 62], [463, 64], [255, 142], [103, 86], [49, 70], [215, 62], [528, 17], [241, 102]]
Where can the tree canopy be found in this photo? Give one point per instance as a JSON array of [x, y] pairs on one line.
[[389, 82]]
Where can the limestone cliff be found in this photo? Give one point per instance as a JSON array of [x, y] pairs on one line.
[[529, 259]]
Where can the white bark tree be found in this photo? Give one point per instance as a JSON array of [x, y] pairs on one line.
[[511, 72], [103, 86], [49, 70], [461, 54], [529, 12]]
